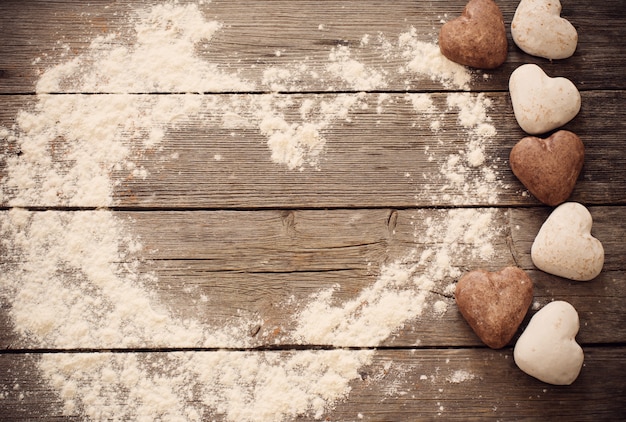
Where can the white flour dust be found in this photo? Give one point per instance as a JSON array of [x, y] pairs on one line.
[[426, 59], [405, 288], [69, 145], [73, 279], [467, 177]]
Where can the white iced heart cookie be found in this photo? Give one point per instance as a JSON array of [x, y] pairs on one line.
[[538, 29], [565, 247], [542, 103], [547, 349]]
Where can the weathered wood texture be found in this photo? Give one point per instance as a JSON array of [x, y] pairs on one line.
[[406, 385], [255, 238], [56, 30], [256, 262], [365, 163]]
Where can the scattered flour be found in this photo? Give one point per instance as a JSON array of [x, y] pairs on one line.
[[295, 145], [440, 307], [426, 59], [295, 140], [72, 292], [73, 279], [422, 103], [405, 287], [355, 73], [242, 386], [71, 144], [468, 177], [162, 58], [460, 376]]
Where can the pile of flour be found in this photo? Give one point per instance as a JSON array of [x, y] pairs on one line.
[[72, 278]]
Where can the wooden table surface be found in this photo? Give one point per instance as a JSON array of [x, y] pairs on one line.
[[224, 222]]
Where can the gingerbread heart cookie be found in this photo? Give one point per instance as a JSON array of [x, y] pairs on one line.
[[565, 247], [538, 29], [494, 303], [547, 349], [548, 167], [541, 103], [477, 38]]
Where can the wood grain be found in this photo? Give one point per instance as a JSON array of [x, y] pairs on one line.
[[245, 237], [414, 384], [54, 31], [365, 163], [265, 264]]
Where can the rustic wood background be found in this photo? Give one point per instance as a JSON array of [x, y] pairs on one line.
[[270, 233]]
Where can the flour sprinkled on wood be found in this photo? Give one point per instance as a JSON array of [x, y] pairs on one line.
[[75, 281]]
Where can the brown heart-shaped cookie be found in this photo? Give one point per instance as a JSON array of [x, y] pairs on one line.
[[549, 167], [477, 38], [494, 303]]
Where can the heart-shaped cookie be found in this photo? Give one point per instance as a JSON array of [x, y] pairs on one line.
[[547, 349], [477, 38], [548, 167], [538, 29], [542, 103], [565, 247], [494, 303]]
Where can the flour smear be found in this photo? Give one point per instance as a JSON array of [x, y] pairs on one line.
[[72, 279]]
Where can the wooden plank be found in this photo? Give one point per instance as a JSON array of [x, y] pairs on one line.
[[327, 240], [217, 266], [57, 31], [336, 240], [276, 299], [215, 299], [365, 164], [499, 390], [415, 384]]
